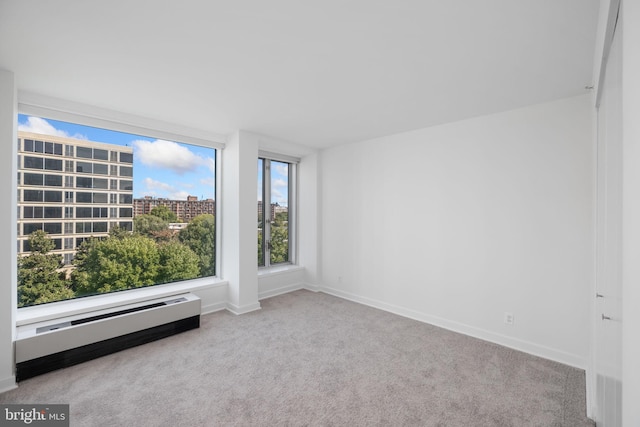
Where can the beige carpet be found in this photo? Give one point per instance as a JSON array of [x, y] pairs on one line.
[[310, 359]]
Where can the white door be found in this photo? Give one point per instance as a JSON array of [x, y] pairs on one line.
[[608, 323]]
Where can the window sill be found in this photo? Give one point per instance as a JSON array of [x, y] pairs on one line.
[[40, 313], [278, 269]]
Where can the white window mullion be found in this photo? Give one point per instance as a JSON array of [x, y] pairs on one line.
[[266, 207]]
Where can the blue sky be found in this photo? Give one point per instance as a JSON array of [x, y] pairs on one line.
[[279, 182], [161, 168]]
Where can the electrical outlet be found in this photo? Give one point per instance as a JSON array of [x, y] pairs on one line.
[[508, 318]]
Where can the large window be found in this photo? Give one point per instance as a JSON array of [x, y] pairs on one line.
[[126, 222], [275, 211]]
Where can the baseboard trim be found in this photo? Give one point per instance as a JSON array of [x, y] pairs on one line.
[[280, 291], [242, 309], [8, 383], [287, 289], [212, 308], [312, 288], [503, 340]]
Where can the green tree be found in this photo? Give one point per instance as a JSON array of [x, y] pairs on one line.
[[79, 275], [118, 232], [164, 213], [40, 279], [260, 250], [279, 243], [199, 236], [177, 262], [148, 224], [280, 238], [117, 264]]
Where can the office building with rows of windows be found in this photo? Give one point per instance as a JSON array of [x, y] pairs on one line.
[[72, 189]]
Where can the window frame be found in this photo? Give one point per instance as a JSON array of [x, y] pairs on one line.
[[61, 110], [294, 163]]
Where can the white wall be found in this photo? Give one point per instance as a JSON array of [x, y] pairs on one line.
[[631, 214], [8, 236], [457, 224]]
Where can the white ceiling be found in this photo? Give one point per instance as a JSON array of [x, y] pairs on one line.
[[319, 73]]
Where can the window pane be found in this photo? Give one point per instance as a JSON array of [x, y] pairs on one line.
[[100, 198], [30, 227], [83, 212], [53, 180], [33, 162], [100, 169], [186, 189], [279, 212], [48, 147], [273, 212], [84, 167], [99, 154], [101, 183], [126, 171], [53, 227], [53, 164], [261, 229], [33, 179], [82, 197], [80, 227], [32, 195], [27, 212], [53, 212], [99, 227], [126, 158], [83, 182], [84, 152], [53, 196], [57, 244]]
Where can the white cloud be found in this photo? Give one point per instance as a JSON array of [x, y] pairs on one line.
[[281, 169], [278, 197], [41, 126], [168, 155], [179, 195], [280, 191], [211, 164], [279, 183], [158, 186], [155, 188], [209, 182]]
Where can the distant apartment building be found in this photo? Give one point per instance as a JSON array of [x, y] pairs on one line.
[[72, 189], [185, 210], [274, 209]]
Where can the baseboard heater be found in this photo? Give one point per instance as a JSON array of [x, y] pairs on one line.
[[60, 343]]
